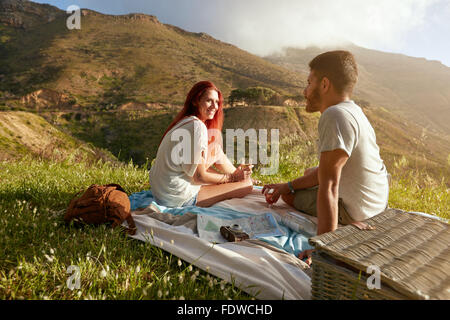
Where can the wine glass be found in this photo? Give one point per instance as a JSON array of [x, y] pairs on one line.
[[268, 193]]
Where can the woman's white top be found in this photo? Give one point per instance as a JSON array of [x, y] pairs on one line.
[[179, 154]]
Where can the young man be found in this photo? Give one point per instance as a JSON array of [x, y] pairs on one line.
[[351, 181]]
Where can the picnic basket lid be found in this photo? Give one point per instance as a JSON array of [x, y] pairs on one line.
[[411, 251]]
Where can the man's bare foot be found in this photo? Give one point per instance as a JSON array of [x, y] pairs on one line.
[[306, 254]]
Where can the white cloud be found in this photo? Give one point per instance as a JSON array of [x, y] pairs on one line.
[[263, 26]]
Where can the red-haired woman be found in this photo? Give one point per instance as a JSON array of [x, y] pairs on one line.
[[181, 174]]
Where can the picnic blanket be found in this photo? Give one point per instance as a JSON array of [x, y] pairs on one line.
[[293, 241], [266, 267]]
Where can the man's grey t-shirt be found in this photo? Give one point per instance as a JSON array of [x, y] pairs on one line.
[[364, 186]]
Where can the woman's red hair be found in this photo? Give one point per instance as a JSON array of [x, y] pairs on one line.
[[190, 109]]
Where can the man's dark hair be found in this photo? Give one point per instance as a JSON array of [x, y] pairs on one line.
[[339, 67]]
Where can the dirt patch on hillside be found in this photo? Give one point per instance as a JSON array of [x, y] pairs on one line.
[[27, 129], [46, 98]]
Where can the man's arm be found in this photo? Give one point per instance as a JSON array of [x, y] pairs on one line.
[[308, 180], [329, 174]]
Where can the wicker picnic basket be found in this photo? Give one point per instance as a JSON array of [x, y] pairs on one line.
[[411, 251]]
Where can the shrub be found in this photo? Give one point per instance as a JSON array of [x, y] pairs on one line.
[[255, 95]]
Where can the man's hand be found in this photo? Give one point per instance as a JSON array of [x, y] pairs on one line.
[[306, 254], [278, 190]]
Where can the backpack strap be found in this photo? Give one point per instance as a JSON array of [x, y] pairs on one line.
[[118, 186], [131, 225]]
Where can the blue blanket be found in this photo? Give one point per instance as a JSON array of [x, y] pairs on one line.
[[293, 242]]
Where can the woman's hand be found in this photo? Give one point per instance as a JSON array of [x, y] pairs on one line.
[[278, 190], [244, 171], [246, 167], [256, 182]]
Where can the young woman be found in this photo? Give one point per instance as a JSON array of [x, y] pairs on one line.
[[181, 174]]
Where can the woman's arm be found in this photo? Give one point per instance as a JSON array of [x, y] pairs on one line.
[[203, 174], [224, 164]]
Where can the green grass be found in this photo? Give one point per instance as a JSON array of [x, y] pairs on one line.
[[417, 191], [36, 247]]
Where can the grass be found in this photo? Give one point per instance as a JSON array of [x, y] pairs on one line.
[[417, 191], [36, 247]]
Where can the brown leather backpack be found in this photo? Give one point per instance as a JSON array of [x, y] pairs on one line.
[[101, 204]]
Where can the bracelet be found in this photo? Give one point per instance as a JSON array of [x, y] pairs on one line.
[[291, 187], [227, 177], [224, 179]]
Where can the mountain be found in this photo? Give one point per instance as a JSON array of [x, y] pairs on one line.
[[25, 14], [139, 70], [416, 88], [114, 59]]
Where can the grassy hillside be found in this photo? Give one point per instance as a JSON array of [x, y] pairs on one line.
[[24, 133], [135, 135], [416, 88], [36, 247]]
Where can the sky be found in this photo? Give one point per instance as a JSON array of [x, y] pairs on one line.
[[418, 28]]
